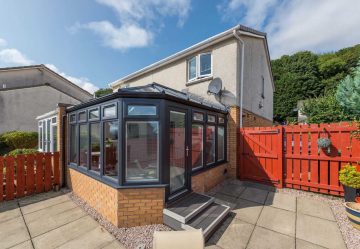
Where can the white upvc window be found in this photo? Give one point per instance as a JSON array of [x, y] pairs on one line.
[[199, 66], [48, 134]]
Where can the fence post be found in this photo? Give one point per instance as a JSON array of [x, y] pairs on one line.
[[281, 156]]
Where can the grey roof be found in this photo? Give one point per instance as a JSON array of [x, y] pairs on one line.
[[158, 88]]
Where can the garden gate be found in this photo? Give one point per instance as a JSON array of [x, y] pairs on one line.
[[288, 156]]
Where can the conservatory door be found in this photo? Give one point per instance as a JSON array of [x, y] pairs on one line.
[[179, 152]]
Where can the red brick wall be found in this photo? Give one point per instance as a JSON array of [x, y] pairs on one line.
[[207, 180], [122, 207]]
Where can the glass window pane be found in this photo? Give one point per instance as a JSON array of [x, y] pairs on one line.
[[82, 116], [54, 138], [142, 151], [205, 64], [73, 150], [53, 120], [210, 144], [198, 116], [83, 145], [141, 110], [40, 138], [197, 146], [110, 148], [72, 118], [192, 68], [109, 111], [94, 114], [211, 118], [95, 146], [48, 135], [221, 143], [177, 150], [221, 120]]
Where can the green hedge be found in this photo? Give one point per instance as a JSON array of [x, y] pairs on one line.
[[19, 139], [21, 152]]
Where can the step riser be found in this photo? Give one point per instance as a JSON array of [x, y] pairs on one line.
[[207, 232]]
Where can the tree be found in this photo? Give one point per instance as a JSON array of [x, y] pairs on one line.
[[102, 92], [296, 78], [348, 93], [325, 109]]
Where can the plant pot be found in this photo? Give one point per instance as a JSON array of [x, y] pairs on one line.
[[349, 193], [357, 199], [353, 213]]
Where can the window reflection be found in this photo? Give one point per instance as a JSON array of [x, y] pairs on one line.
[[95, 146], [142, 150], [210, 144], [197, 146], [110, 148]]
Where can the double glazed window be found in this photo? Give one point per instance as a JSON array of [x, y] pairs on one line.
[[211, 145], [199, 66], [47, 129]]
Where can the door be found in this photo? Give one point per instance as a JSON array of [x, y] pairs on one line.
[[179, 153]]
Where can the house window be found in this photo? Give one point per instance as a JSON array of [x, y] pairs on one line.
[[73, 150], [142, 151], [197, 146], [83, 144], [109, 111], [40, 136], [221, 120], [94, 114], [210, 144], [82, 116], [262, 87], [95, 147], [211, 118], [199, 66], [140, 110], [111, 130], [198, 116], [221, 143]]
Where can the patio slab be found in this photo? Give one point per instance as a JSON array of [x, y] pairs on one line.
[[302, 244], [315, 208], [254, 195], [47, 219], [278, 220], [25, 245], [283, 201], [30, 205], [263, 238], [319, 231], [236, 235], [9, 210], [233, 190], [247, 211], [225, 200], [14, 231]]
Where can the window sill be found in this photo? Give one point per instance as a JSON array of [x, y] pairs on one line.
[[199, 80]]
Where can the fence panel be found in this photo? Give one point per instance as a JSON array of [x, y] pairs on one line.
[[305, 165], [19, 177]]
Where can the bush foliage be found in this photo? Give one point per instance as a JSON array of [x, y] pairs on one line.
[[21, 152], [350, 177], [20, 139]]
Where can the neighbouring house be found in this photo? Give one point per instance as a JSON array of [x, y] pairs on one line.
[[145, 153], [29, 91]]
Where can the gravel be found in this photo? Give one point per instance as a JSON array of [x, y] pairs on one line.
[[133, 238]]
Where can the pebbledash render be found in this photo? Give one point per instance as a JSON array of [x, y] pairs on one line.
[[132, 153]]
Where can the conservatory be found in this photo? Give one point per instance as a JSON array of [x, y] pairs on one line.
[[146, 137]]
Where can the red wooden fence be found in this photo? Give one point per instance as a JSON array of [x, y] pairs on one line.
[[303, 165], [27, 174]]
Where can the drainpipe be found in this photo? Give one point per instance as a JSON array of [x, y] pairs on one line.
[[241, 42]]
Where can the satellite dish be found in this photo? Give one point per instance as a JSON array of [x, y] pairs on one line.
[[215, 86]]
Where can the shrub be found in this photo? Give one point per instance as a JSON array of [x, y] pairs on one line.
[[350, 177], [21, 152], [20, 139]]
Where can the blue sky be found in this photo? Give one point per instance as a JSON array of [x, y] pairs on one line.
[[94, 42]]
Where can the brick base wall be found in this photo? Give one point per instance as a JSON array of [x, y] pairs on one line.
[[207, 180], [252, 120], [122, 207]]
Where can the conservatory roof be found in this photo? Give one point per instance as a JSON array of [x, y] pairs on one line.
[[155, 90]]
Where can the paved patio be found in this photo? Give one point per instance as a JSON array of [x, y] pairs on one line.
[[262, 218], [50, 220]]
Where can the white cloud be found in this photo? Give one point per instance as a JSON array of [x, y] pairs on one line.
[[125, 37], [82, 82], [13, 57], [138, 21], [3, 42], [296, 25]]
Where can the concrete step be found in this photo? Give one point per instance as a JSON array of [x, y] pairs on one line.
[[188, 207]]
